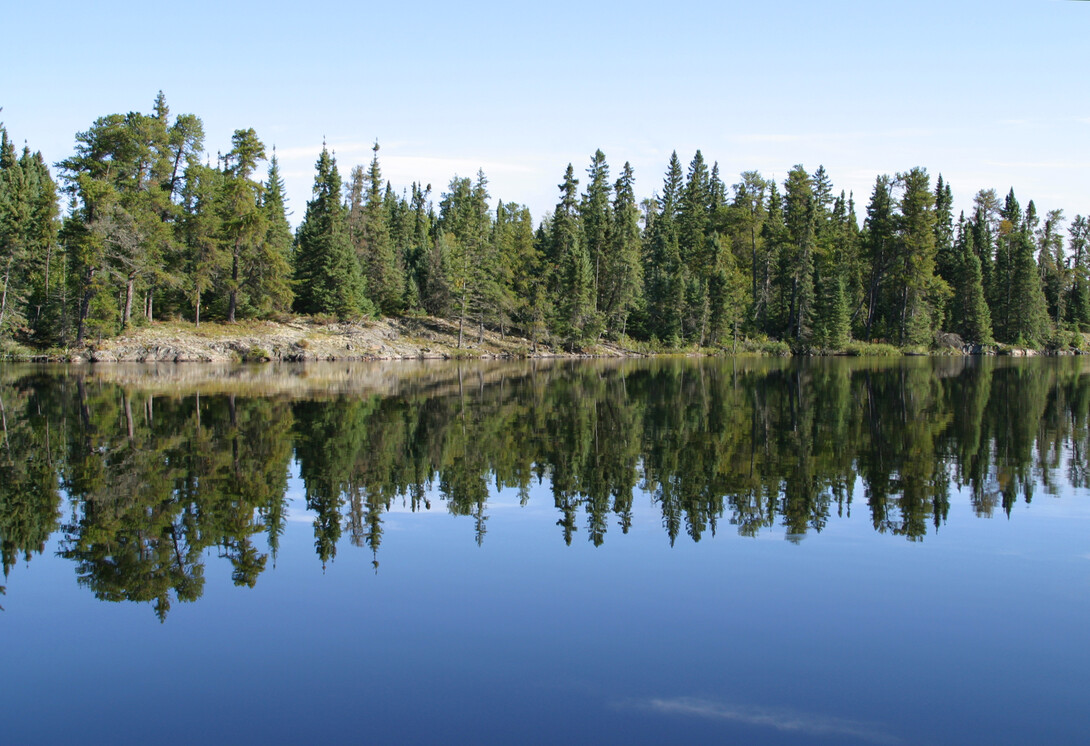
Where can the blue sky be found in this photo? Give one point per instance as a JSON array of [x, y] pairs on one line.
[[990, 94]]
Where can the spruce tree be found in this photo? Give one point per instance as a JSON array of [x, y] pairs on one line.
[[1028, 315], [698, 256], [242, 221], [772, 312], [382, 266], [576, 319], [797, 263], [596, 222], [271, 274], [664, 269], [751, 210], [1078, 307], [915, 282], [327, 272], [200, 234], [879, 249], [468, 251], [1053, 267], [971, 316], [622, 284]]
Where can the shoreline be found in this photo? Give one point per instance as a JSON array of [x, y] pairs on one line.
[[303, 339]]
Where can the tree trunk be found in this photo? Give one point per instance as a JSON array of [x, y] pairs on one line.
[[85, 307], [753, 255], [130, 428], [48, 263], [232, 300], [127, 314], [4, 297], [461, 320]]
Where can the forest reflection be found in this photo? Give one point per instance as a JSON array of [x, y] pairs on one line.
[[148, 472]]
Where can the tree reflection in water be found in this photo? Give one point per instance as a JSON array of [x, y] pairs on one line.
[[145, 474]]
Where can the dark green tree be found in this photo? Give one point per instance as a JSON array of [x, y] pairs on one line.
[[576, 320], [327, 271]]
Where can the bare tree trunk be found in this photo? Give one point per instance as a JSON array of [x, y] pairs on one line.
[[85, 307], [127, 314], [232, 299], [48, 263], [4, 422], [128, 415], [461, 320], [4, 298]]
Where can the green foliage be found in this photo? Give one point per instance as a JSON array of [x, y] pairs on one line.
[[154, 479], [327, 271], [152, 232], [371, 231]]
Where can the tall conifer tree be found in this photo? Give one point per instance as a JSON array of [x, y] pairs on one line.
[[327, 272]]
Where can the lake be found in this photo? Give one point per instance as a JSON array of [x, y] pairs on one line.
[[830, 551]]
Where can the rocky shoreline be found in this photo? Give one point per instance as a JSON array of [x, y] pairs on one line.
[[306, 340]]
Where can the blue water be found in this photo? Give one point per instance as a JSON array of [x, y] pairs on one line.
[[974, 634]]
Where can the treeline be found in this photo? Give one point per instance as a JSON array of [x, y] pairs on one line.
[[142, 486], [154, 230]]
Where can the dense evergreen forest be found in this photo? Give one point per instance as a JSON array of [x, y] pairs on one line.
[[153, 229]]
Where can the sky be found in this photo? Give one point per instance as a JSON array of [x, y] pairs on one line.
[[989, 94]]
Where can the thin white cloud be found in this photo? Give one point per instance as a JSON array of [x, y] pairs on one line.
[[1066, 165], [311, 151], [790, 721], [769, 138], [461, 166]]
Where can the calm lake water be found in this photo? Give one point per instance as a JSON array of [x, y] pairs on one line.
[[667, 551]]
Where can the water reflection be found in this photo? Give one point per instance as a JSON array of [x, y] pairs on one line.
[[145, 472]]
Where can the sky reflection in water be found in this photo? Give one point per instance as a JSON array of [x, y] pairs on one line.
[[546, 553]]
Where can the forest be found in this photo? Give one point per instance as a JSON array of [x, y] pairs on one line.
[[152, 228]]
